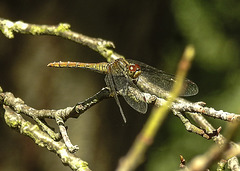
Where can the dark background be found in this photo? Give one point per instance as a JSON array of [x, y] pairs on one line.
[[154, 32]]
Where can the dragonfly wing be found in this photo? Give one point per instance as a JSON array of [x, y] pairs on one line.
[[136, 99], [110, 84], [164, 80], [131, 93]]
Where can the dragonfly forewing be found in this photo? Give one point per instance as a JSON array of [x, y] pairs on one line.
[[158, 79]]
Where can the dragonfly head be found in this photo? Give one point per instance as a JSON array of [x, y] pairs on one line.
[[134, 70]]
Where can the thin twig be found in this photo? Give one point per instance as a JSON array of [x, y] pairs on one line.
[[62, 30], [16, 121], [185, 106], [216, 152], [60, 115], [66, 139], [192, 128], [179, 106]]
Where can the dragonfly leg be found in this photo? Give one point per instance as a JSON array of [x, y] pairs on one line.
[[110, 83]]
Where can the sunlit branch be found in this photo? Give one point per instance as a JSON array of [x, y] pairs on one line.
[[46, 137], [42, 139], [62, 30]]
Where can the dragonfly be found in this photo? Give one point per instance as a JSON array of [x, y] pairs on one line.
[[123, 75]]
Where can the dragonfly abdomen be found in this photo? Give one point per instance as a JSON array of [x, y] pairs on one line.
[[98, 67]]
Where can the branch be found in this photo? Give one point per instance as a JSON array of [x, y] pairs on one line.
[[60, 115], [16, 106], [42, 139], [216, 152], [62, 30], [46, 137]]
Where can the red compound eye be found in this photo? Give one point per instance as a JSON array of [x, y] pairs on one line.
[[134, 70], [134, 67]]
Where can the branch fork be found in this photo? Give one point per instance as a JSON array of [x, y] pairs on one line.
[[44, 136]]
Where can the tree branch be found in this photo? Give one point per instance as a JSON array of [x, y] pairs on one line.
[[46, 137], [62, 30], [42, 139]]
